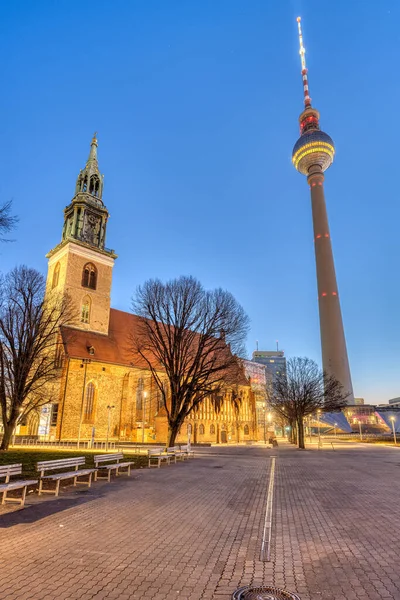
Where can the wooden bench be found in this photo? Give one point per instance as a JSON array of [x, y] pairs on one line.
[[7, 471], [100, 461], [63, 463], [172, 452], [189, 453], [159, 455], [179, 453]]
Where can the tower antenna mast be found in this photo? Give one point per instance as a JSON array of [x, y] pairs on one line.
[[302, 52]]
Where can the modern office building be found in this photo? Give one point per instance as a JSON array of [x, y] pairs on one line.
[[273, 360], [312, 154]]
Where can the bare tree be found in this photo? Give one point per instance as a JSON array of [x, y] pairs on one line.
[[193, 337], [29, 338], [7, 220], [302, 390]]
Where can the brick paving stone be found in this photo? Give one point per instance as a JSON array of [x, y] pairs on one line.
[[193, 531]]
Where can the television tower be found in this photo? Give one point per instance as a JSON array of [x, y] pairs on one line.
[[312, 154]]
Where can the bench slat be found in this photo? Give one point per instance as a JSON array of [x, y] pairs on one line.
[[14, 469], [116, 465], [107, 457], [69, 474], [15, 485], [51, 465]]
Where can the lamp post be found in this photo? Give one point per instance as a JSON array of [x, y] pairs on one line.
[[359, 425], [269, 417], [393, 418], [319, 428], [109, 409], [143, 414], [265, 436], [84, 364]]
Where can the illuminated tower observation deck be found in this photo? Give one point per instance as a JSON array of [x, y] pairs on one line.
[[312, 154]]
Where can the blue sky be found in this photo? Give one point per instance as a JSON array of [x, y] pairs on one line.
[[196, 105]]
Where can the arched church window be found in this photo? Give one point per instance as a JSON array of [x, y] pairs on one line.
[[89, 276], [246, 430], [94, 185], [139, 394], [88, 415], [84, 185], [212, 429], [56, 275], [201, 429], [85, 310]]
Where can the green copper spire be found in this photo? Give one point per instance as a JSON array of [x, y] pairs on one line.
[[85, 218], [90, 181]]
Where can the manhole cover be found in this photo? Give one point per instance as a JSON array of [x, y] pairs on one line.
[[263, 593]]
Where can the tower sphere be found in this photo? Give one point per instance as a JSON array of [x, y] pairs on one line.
[[313, 148]]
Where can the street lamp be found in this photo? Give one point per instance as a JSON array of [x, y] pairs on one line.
[[265, 437], [143, 414], [359, 425], [393, 418], [319, 428], [109, 409], [269, 417], [84, 364]]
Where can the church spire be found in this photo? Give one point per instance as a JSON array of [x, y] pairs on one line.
[[90, 180], [85, 218], [93, 151]]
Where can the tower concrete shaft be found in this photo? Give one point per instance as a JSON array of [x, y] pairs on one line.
[[333, 343]]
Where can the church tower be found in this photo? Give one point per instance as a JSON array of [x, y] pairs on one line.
[[81, 266]]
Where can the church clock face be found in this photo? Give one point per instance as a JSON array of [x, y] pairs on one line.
[[91, 228]]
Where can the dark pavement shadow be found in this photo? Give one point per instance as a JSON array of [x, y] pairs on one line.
[[40, 510]]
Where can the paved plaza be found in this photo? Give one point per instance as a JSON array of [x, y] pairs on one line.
[[194, 530]]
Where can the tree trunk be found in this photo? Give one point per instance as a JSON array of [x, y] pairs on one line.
[[8, 433], [300, 429], [293, 432], [294, 429], [172, 433]]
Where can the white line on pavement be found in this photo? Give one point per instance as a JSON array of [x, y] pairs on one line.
[[265, 555]]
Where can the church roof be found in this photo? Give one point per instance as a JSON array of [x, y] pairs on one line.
[[116, 347]]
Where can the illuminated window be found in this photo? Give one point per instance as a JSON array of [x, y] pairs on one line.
[[88, 415], [85, 310], [89, 276], [56, 275], [139, 394]]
